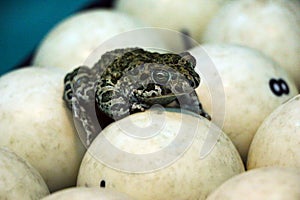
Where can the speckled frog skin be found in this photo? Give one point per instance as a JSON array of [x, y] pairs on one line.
[[125, 81]]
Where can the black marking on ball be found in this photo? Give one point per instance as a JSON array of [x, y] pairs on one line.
[[279, 87], [186, 42], [102, 184]]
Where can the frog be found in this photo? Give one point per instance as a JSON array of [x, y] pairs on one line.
[[130, 80]]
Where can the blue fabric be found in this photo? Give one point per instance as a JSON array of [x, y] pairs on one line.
[[24, 23]]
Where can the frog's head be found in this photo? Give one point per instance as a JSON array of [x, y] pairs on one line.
[[176, 72], [172, 75], [188, 78]]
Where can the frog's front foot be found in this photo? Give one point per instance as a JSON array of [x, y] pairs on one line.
[[135, 101], [138, 107], [190, 102]]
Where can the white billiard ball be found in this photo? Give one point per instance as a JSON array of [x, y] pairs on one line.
[[71, 42], [260, 184], [271, 26], [242, 86], [187, 16], [36, 125], [277, 140], [19, 180]]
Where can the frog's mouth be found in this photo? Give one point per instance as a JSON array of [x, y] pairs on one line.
[[162, 100], [159, 95]]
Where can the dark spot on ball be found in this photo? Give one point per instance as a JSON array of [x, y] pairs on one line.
[[102, 184], [279, 87]]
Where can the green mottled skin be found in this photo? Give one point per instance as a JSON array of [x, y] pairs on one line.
[[131, 80]]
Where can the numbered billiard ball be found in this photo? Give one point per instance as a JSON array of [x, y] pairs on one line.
[[241, 87], [276, 143], [270, 26]]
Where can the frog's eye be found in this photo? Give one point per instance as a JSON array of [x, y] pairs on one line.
[[186, 57], [160, 76], [81, 79]]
